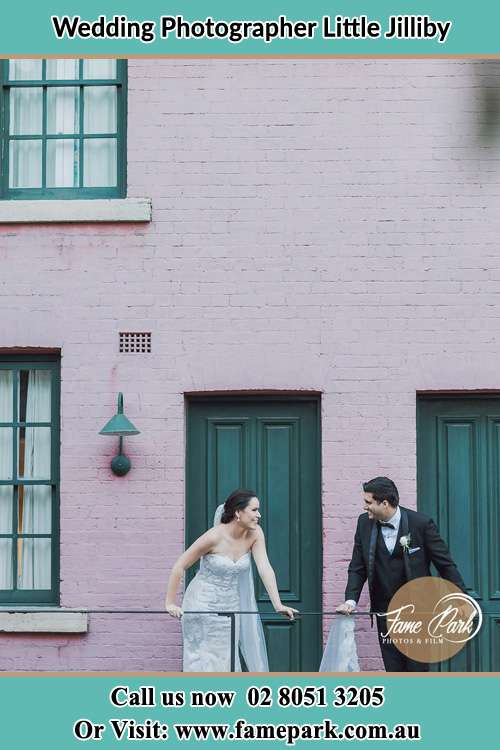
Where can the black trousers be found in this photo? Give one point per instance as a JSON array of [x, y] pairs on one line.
[[394, 660]]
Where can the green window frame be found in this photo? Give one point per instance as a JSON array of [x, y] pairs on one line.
[[18, 543], [50, 137]]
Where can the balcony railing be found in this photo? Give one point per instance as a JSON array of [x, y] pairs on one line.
[[231, 614]]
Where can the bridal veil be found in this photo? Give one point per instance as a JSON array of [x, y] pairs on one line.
[[252, 643]]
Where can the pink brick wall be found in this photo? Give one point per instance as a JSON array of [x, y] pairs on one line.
[[327, 225]]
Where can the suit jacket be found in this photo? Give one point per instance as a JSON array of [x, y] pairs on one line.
[[423, 533]]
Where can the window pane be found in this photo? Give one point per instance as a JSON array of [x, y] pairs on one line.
[[25, 70], [34, 395], [63, 110], [99, 69], [35, 509], [6, 496], [59, 70], [5, 452], [25, 167], [25, 111], [99, 110], [63, 163], [34, 452], [100, 162], [6, 396], [5, 564], [34, 564]]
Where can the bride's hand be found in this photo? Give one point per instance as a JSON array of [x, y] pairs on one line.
[[287, 611], [173, 610]]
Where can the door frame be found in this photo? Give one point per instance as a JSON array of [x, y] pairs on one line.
[[272, 396]]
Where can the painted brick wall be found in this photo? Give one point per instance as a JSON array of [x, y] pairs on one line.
[[327, 225]]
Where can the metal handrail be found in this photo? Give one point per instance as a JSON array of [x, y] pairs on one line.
[[228, 613], [232, 616], [12, 609]]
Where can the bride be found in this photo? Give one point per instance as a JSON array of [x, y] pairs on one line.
[[224, 582]]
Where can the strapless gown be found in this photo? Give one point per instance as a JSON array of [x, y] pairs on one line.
[[207, 638]]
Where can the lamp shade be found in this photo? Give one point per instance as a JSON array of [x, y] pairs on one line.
[[119, 424]]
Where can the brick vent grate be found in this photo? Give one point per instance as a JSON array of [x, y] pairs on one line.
[[135, 342]]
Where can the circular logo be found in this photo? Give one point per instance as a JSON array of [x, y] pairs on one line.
[[430, 619]]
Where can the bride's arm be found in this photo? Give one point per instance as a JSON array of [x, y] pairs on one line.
[[200, 547], [267, 575]]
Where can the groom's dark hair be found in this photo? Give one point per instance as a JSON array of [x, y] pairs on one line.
[[382, 488]]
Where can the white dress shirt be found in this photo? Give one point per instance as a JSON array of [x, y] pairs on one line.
[[389, 535]]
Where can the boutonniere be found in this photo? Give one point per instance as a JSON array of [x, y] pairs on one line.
[[405, 542]]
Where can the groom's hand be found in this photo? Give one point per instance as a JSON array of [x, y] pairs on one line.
[[346, 608]]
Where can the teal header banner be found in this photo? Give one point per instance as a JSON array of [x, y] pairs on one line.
[[288, 711], [441, 27]]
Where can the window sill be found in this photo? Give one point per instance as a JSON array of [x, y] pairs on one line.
[[58, 621], [63, 211]]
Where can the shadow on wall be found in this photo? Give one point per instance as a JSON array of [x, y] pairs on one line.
[[487, 74]]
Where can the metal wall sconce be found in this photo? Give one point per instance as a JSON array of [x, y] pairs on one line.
[[121, 426]]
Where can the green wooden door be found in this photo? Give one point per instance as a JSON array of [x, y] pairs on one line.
[[458, 457], [272, 446]]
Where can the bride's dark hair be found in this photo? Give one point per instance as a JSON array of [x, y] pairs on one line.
[[237, 500]]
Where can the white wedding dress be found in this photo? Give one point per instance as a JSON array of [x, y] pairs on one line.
[[222, 585]]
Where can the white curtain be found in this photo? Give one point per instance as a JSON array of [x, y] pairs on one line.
[[94, 68], [100, 162], [25, 157], [63, 163], [25, 160], [100, 116], [63, 119], [34, 572], [5, 473], [62, 69], [63, 157], [99, 109], [25, 70], [26, 106]]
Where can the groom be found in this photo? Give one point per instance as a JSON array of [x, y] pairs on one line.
[[379, 557]]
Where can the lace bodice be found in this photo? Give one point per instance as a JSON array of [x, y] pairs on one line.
[[221, 570]]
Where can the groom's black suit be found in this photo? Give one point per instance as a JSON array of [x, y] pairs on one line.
[[387, 572]]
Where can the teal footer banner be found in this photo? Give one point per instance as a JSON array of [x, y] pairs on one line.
[[433, 711]]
